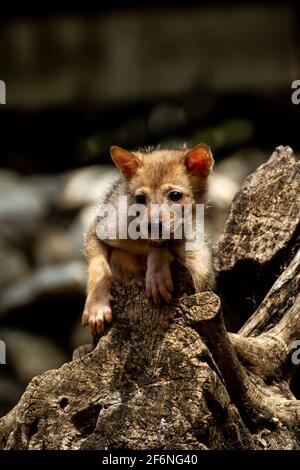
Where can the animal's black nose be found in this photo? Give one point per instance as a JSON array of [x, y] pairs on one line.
[[155, 228]]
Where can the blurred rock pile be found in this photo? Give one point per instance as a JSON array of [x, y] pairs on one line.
[[43, 271]]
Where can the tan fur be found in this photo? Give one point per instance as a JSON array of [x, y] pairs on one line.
[[153, 174]]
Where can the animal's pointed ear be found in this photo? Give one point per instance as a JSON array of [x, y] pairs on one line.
[[125, 161], [199, 161]]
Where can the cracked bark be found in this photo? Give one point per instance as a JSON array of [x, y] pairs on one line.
[[172, 377]]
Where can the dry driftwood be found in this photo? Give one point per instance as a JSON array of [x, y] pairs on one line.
[[172, 377]]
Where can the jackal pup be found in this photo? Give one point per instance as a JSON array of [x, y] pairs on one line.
[[172, 179]]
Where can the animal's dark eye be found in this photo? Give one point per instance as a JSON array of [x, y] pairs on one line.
[[140, 199], [175, 196]]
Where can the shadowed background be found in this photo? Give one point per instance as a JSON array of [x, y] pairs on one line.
[[83, 78]]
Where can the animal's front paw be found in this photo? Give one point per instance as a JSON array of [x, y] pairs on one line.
[[95, 314], [159, 284], [82, 351]]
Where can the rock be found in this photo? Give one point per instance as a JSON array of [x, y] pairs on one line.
[[85, 186], [240, 164], [13, 264], [225, 182], [30, 355], [53, 246], [222, 189], [45, 187], [80, 226], [56, 280], [56, 244], [24, 203], [8, 181]]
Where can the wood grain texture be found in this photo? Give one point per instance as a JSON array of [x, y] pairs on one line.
[[261, 236]]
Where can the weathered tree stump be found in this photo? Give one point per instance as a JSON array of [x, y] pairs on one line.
[[172, 377]]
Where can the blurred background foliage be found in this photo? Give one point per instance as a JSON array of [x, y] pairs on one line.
[[82, 78]]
